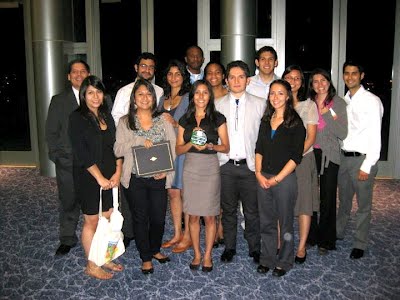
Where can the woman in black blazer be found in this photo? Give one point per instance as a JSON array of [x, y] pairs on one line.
[[92, 134]]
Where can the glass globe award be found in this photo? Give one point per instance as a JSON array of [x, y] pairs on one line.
[[198, 137]]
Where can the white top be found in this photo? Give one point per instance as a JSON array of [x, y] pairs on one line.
[[195, 77], [364, 113], [121, 102], [308, 113], [236, 127], [258, 88], [76, 93]]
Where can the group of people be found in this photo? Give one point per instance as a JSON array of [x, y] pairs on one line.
[[275, 147]]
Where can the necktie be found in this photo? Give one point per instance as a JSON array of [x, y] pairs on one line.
[[237, 115]]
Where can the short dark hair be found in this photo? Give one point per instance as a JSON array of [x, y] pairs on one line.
[[266, 49], [239, 64], [77, 61], [196, 47], [353, 64], [146, 55]]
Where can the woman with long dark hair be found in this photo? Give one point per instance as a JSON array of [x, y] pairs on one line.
[[307, 178], [201, 180], [92, 134], [279, 150], [146, 195], [174, 103], [332, 127]]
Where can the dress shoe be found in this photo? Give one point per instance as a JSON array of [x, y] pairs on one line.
[[182, 248], [256, 256], [148, 271], [300, 260], [356, 253], [278, 272], [322, 251], [194, 267], [162, 260], [262, 269], [63, 249], [228, 255], [207, 268]]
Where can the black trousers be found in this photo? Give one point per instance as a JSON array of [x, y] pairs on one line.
[[69, 208], [147, 199], [323, 230], [238, 183]]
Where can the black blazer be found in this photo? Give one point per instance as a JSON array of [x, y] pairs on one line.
[[86, 139], [56, 129]]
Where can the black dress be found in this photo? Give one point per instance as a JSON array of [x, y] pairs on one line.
[[98, 146]]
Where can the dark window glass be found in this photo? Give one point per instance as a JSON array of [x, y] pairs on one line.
[[215, 56], [264, 19], [309, 34], [363, 29], [175, 29], [120, 36], [79, 21], [215, 17], [14, 113]]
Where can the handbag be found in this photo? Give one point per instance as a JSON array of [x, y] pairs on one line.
[[108, 240]]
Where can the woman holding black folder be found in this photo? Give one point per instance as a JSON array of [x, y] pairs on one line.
[[146, 195]]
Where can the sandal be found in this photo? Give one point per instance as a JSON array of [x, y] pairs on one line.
[[114, 267], [97, 272]]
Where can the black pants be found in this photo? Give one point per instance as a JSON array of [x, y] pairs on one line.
[[147, 199], [239, 183], [323, 231], [69, 208]]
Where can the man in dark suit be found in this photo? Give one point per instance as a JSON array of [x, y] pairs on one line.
[[243, 113], [60, 153]]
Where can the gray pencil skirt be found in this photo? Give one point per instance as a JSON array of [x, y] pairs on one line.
[[201, 184]]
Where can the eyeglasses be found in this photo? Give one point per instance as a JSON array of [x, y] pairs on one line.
[[144, 66], [289, 78]]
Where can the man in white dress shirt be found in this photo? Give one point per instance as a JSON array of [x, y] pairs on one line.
[[266, 61], [145, 67], [359, 156], [243, 114]]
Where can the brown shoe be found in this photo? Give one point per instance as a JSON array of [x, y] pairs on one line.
[[182, 247]]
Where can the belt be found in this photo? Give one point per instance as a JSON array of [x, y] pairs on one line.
[[237, 162], [347, 153]]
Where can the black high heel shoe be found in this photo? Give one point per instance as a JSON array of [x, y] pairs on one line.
[[300, 260], [162, 260]]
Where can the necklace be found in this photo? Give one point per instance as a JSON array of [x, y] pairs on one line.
[[171, 103]]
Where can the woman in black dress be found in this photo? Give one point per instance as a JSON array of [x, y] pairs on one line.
[[92, 134]]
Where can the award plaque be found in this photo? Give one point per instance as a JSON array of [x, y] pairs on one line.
[[198, 137], [153, 160]]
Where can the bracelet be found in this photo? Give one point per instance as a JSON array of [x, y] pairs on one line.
[[276, 180]]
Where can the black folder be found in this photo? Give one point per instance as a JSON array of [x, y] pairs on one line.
[[153, 160]]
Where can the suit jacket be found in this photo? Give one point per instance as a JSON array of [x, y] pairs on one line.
[[57, 138], [86, 139], [254, 110]]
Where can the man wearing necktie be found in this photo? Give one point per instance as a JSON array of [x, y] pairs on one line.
[[243, 113]]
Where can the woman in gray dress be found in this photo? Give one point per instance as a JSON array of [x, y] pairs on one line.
[[201, 177]]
